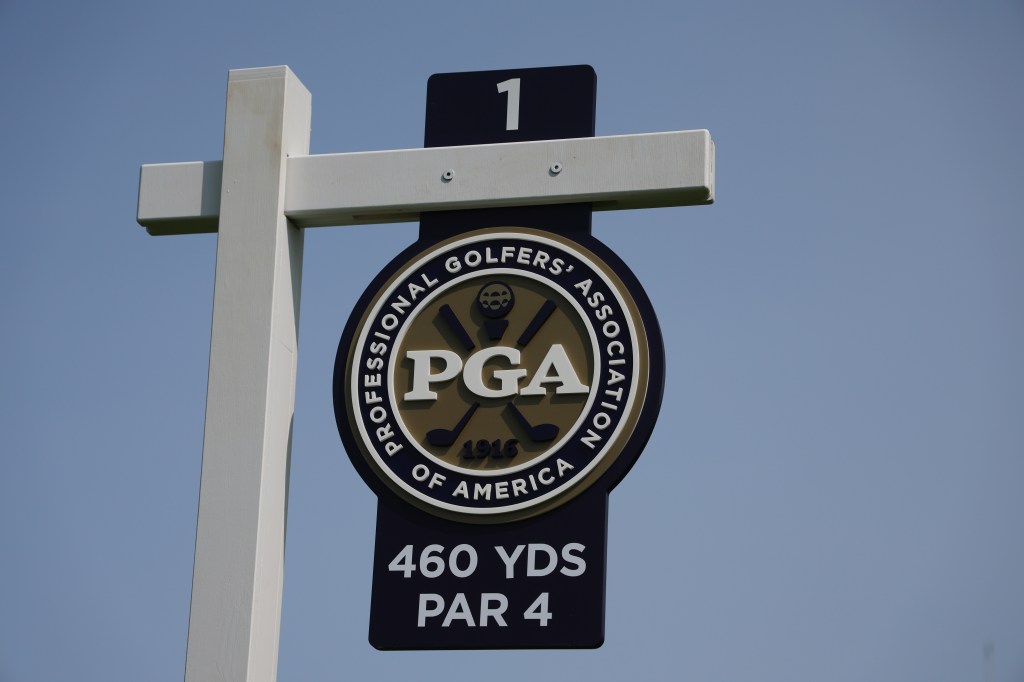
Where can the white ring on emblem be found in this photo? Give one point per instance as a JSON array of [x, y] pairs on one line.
[[385, 296]]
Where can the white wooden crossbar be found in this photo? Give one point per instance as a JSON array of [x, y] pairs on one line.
[[616, 172]]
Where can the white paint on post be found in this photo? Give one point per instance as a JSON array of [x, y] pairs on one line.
[[184, 198], [615, 172], [237, 582]]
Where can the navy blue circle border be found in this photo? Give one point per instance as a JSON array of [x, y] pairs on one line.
[[622, 455]]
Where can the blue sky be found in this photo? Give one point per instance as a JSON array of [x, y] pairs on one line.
[[834, 488]]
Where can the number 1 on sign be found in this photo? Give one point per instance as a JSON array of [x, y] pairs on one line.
[[511, 86]]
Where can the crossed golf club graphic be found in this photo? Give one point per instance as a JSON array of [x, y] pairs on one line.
[[495, 301]]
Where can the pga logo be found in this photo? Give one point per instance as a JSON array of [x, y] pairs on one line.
[[555, 368], [494, 375]]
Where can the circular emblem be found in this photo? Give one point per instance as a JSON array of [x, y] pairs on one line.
[[497, 374]]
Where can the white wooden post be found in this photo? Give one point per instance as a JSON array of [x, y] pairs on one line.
[[238, 576]]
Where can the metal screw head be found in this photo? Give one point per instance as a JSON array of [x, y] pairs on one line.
[[556, 168], [448, 175]]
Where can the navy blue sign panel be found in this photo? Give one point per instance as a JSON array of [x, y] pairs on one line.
[[512, 105], [494, 383], [517, 105], [534, 584], [492, 518], [496, 542]]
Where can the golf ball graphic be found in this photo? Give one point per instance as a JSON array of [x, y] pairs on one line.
[[495, 299]]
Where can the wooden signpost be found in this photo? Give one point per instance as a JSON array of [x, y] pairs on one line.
[[258, 199]]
